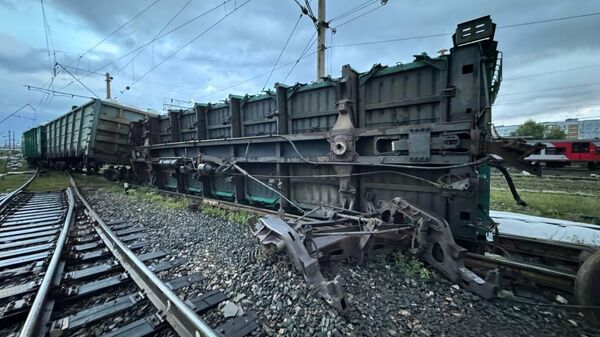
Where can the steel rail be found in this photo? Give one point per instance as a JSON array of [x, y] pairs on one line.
[[9, 196], [180, 316], [539, 274], [33, 323]]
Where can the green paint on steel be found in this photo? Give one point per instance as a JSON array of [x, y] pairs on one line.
[[408, 66], [258, 97], [262, 200], [195, 189], [223, 194]]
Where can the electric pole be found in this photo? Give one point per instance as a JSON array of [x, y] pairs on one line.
[[108, 79], [321, 30]]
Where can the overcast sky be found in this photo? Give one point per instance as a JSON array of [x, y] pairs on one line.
[[244, 46]]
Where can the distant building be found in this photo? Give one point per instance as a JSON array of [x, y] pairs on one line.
[[573, 128]]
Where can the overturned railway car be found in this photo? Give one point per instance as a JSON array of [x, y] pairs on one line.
[[392, 157], [415, 130], [89, 135]]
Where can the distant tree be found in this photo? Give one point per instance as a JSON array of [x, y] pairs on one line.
[[552, 132], [538, 131], [530, 129]]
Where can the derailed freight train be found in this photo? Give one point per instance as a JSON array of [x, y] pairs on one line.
[[393, 157], [88, 136]]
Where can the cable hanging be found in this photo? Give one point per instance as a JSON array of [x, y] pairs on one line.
[[282, 50]]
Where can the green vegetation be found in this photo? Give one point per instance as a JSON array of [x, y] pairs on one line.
[[96, 181], [49, 181], [542, 184], [12, 181], [538, 131], [566, 207], [573, 199], [151, 195], [229, 215], [412, 267]]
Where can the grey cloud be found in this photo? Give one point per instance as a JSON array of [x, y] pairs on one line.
[[248, 42]]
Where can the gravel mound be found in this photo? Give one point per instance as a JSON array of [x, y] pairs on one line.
[[382, 300]]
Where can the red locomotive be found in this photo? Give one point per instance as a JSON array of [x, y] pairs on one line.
[[565, 152]]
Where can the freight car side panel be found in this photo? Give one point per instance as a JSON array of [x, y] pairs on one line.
[[97, 131], [33, 143], [312, 108], [258, 115], [69, 135], [165, 129], [111, 133], [404, 94], [188, 125], [218, 121]]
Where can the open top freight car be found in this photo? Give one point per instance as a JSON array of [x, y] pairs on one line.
[[87, 136]]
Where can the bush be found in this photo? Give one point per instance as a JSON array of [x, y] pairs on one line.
[[412, 267]]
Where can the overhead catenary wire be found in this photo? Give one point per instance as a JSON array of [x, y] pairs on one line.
[[426, 36], [55, 92], [282, 50], [552, 72], [527, 92], [116, 30], [385, 41], [75, 77], [354, 10], [155, 36], [255, 77], [186, 44], [79, 69], [15, 112], [77, 59], [308, 46], [47, 38], [577, 94], [163, 35], [383, 3]]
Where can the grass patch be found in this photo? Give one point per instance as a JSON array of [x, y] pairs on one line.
[[229, 215], [589, 186], [566, 207], [412, 267], [10, 182], [49, 181], [149, 195], [96, 181]]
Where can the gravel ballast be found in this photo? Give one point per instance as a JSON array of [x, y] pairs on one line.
[[382, 300]]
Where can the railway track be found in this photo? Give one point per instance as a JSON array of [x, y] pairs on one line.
[[66, 272]]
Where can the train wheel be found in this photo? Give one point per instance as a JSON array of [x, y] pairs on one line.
[[587, 290], [592, 166]]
